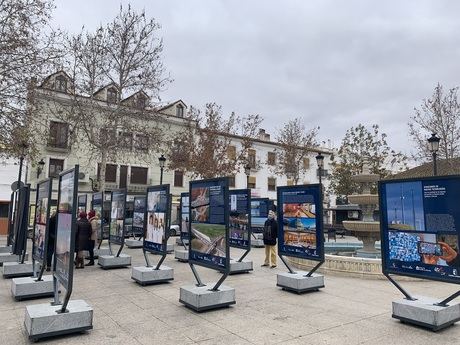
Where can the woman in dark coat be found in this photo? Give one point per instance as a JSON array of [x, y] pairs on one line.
[[82, 239]]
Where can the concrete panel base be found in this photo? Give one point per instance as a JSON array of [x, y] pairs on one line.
[[181, 254], [170, 248], [42, 320], [149, 275], [111, 261], [257, 243], [240, 267], [15, 269], [5, 249], [201, 298], [101, 251], [131, 243], [179, 242], [423, 312], [299, 283], [28, 288], [7, 257]]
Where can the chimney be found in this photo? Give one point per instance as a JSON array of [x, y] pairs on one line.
[[263, 135]]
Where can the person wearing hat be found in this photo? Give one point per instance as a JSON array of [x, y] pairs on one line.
[[95, 225], [82, 239], [270, 236]]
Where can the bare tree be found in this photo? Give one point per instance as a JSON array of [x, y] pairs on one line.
[[362, 145], [105, 125], [207, 146], [438, 114], [26, 52], [296, 142]]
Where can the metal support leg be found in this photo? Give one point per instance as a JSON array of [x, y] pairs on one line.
[[110, 248], [146, 257], [56, 300], [286, 264], [400, 288], [309, 274], [121, 248], [40, 274], [448, 299], [244, 255], [160, 262], [183, 243], [197, 277], [219, 283]]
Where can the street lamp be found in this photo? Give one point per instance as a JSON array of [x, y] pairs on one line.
[[162, 161], [433, 145], [320, 162], [40, 167], [247, 171]]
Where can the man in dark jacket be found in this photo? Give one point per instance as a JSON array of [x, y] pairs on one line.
[[51, 241], [82, 239], [270, 236]]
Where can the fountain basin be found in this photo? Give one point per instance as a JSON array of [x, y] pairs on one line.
[[363, 199], [360, 226]]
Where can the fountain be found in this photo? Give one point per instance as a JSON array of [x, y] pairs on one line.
[[367, 230]]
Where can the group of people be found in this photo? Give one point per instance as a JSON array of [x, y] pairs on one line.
[[85, 237]]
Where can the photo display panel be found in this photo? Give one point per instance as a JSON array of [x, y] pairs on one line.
[[420, 224], [240, 218], [138, 214], [82, 199], [41, 221], [208, 235], [184, 214], [300, 224], [96, 205], [66, 227], [117, 217], [21, 220], [157, 219], [259, 213]]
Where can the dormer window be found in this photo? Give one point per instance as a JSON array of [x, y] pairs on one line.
[[180, 110], [112, 95], [141, 102], [60, 83]]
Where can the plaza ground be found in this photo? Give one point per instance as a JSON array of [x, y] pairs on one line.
[[346, 311]]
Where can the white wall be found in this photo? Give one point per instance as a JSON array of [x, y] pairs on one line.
[[8, 174]]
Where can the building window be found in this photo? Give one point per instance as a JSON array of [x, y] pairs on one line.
[[252, 182], [126, 140], [55, 167], [60, 83], [139, 175], [141, 102], [178, 178], [180, 110], [231, 152], [231, 181], [306, 163], [252, 159], [271, 183], [324, 172], [110, 172], [59, 132], [142, 142], [271, 158], [112, 95]]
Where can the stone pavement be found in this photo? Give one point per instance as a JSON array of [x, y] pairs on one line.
[[346, 311]]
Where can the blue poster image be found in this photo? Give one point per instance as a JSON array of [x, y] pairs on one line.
[[300, 233], [420, 224]]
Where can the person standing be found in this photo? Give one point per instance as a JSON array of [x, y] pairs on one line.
[[95, 225], [82, 240], [51, 241], [270, 236]]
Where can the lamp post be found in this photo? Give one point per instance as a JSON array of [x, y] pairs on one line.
[[162, 161], [247, 171], [320, 162], [433, 145], [40, 167]]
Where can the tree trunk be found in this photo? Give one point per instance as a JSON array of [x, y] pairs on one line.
[[102, 170]]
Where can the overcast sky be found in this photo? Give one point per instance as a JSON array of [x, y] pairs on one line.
[[333, 63]]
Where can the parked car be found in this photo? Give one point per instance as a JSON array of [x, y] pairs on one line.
[[174, 230]]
